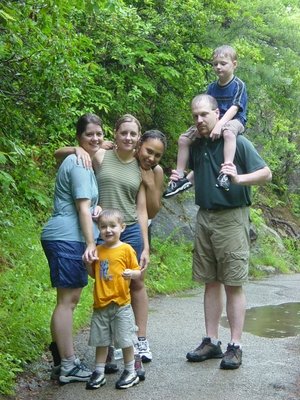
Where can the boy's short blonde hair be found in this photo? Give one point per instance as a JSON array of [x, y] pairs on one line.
[[112, 213], [225, 51]]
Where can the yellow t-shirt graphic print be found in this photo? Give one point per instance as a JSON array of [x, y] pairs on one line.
[[109, 283]]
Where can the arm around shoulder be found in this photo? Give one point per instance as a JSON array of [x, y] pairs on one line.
[[63, 152]]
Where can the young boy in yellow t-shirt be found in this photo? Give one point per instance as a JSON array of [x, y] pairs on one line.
[[113, 316]]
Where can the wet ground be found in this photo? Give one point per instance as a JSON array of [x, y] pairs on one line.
[[270, 368]]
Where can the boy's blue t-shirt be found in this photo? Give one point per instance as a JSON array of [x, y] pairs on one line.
[[232, 94]]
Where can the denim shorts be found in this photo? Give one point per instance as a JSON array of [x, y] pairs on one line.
[[67, 270], [133, 236]]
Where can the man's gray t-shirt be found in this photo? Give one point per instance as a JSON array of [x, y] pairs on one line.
[[73, 182]]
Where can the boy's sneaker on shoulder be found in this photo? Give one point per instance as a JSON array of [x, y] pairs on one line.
[[127, 380], [223, 182], [232, 357], [143, 349], [96, 381], [79, 373], [177, 187]]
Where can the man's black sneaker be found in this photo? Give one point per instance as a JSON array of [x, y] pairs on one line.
[[177, 187], [110, 368], [232, 357], [223, 182], [96, 381], [205, 351], [139, 368], [127, 380]]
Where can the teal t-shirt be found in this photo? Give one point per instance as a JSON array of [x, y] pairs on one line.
[[73, 182], [205, 160]]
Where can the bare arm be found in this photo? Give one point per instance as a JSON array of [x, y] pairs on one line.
[[259, 177], [85, 220], [143, 220], [153, 181], [228, 116], [129, 274], [63, 152], [80, 153], [90, 269]]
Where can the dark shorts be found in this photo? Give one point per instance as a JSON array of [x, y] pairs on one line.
[[67, 270], [133, 236]]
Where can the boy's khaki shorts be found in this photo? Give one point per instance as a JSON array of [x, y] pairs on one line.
[[235, 126], [222, 246], [113, 321]]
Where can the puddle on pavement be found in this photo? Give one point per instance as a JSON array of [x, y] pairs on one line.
[[282, 320]]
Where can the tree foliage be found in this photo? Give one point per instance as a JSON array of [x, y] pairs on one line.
[[60, 58]]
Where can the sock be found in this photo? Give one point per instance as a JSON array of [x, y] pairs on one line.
[[214, 341], [141, 338], [129, 366], [67, 363], [55, 353], [99, 367], [236, 345], [180, 173]]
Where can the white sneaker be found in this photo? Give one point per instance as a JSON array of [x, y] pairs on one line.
[[127, 380], [96, 381], [143, 349], [79, 373]]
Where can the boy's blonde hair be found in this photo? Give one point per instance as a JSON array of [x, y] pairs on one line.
[[112, 213], [225, 51]]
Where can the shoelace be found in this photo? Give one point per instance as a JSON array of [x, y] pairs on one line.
[[231, 352], [142, 345], [224, 178], [202, 344], [82, 366], [172, 185]]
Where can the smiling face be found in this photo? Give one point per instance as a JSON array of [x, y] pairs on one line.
[[150, 153], [127, 136], [91, 139], [110, 230]]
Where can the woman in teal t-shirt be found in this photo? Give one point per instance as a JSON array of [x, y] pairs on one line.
[[70, 233]]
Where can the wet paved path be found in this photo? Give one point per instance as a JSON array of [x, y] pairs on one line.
[[270, 369]]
